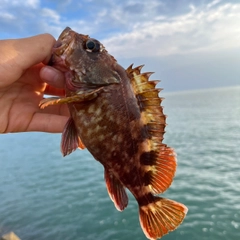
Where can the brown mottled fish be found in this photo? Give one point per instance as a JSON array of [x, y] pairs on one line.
[[117, 115]]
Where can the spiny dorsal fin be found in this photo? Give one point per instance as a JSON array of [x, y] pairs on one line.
[[148, 100], [158, 160]]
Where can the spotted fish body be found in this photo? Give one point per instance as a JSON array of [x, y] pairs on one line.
[[117, 115]]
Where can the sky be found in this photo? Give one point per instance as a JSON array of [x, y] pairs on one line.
[[189, 44]]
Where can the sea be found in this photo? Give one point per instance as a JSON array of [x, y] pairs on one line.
[[44, 196]]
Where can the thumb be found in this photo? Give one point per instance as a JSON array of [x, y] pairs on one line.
[[34, 49], [17, 55]]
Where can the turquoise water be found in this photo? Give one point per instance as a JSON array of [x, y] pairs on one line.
[[47, 197]]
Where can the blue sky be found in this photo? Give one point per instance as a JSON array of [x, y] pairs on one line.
[[188, 44]]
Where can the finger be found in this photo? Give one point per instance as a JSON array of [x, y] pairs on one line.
[[33, 73], [34, 49], [20, 54], [52, 76], [47, 123]]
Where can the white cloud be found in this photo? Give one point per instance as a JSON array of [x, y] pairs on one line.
[[202, 29], [189, 43], [130, 28], [50, 15], [32, 3], [25, 3], [6, 16], [211, 4]]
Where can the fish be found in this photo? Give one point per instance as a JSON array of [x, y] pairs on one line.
[[117, 115]]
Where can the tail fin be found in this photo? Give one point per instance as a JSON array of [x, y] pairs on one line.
[[160, 217]]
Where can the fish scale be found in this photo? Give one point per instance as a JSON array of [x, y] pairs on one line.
[[117, 115]]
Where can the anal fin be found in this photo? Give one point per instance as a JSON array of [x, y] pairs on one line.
[[116, 191], [70, 139], [161, 216]]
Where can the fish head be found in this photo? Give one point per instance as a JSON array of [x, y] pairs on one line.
[[84, 60]]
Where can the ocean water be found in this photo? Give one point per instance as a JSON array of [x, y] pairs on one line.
[[44, 196]]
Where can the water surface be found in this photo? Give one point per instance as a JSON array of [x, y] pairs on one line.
[[46, 197]]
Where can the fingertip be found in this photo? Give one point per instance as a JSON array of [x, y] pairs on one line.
[[47, 38], [52, 76], [35, 49]]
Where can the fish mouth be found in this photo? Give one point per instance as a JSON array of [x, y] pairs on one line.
[[61, 55], [65, 42], [62, 48]]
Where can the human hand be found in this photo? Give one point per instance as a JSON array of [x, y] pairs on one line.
[[24, 79]]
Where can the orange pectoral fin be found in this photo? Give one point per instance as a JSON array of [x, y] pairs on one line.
[[49, 101], [55, 100], [70, 139], [116, 191], [79, 97]]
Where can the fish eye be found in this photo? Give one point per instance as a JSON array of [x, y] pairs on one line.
[[92, 45]]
